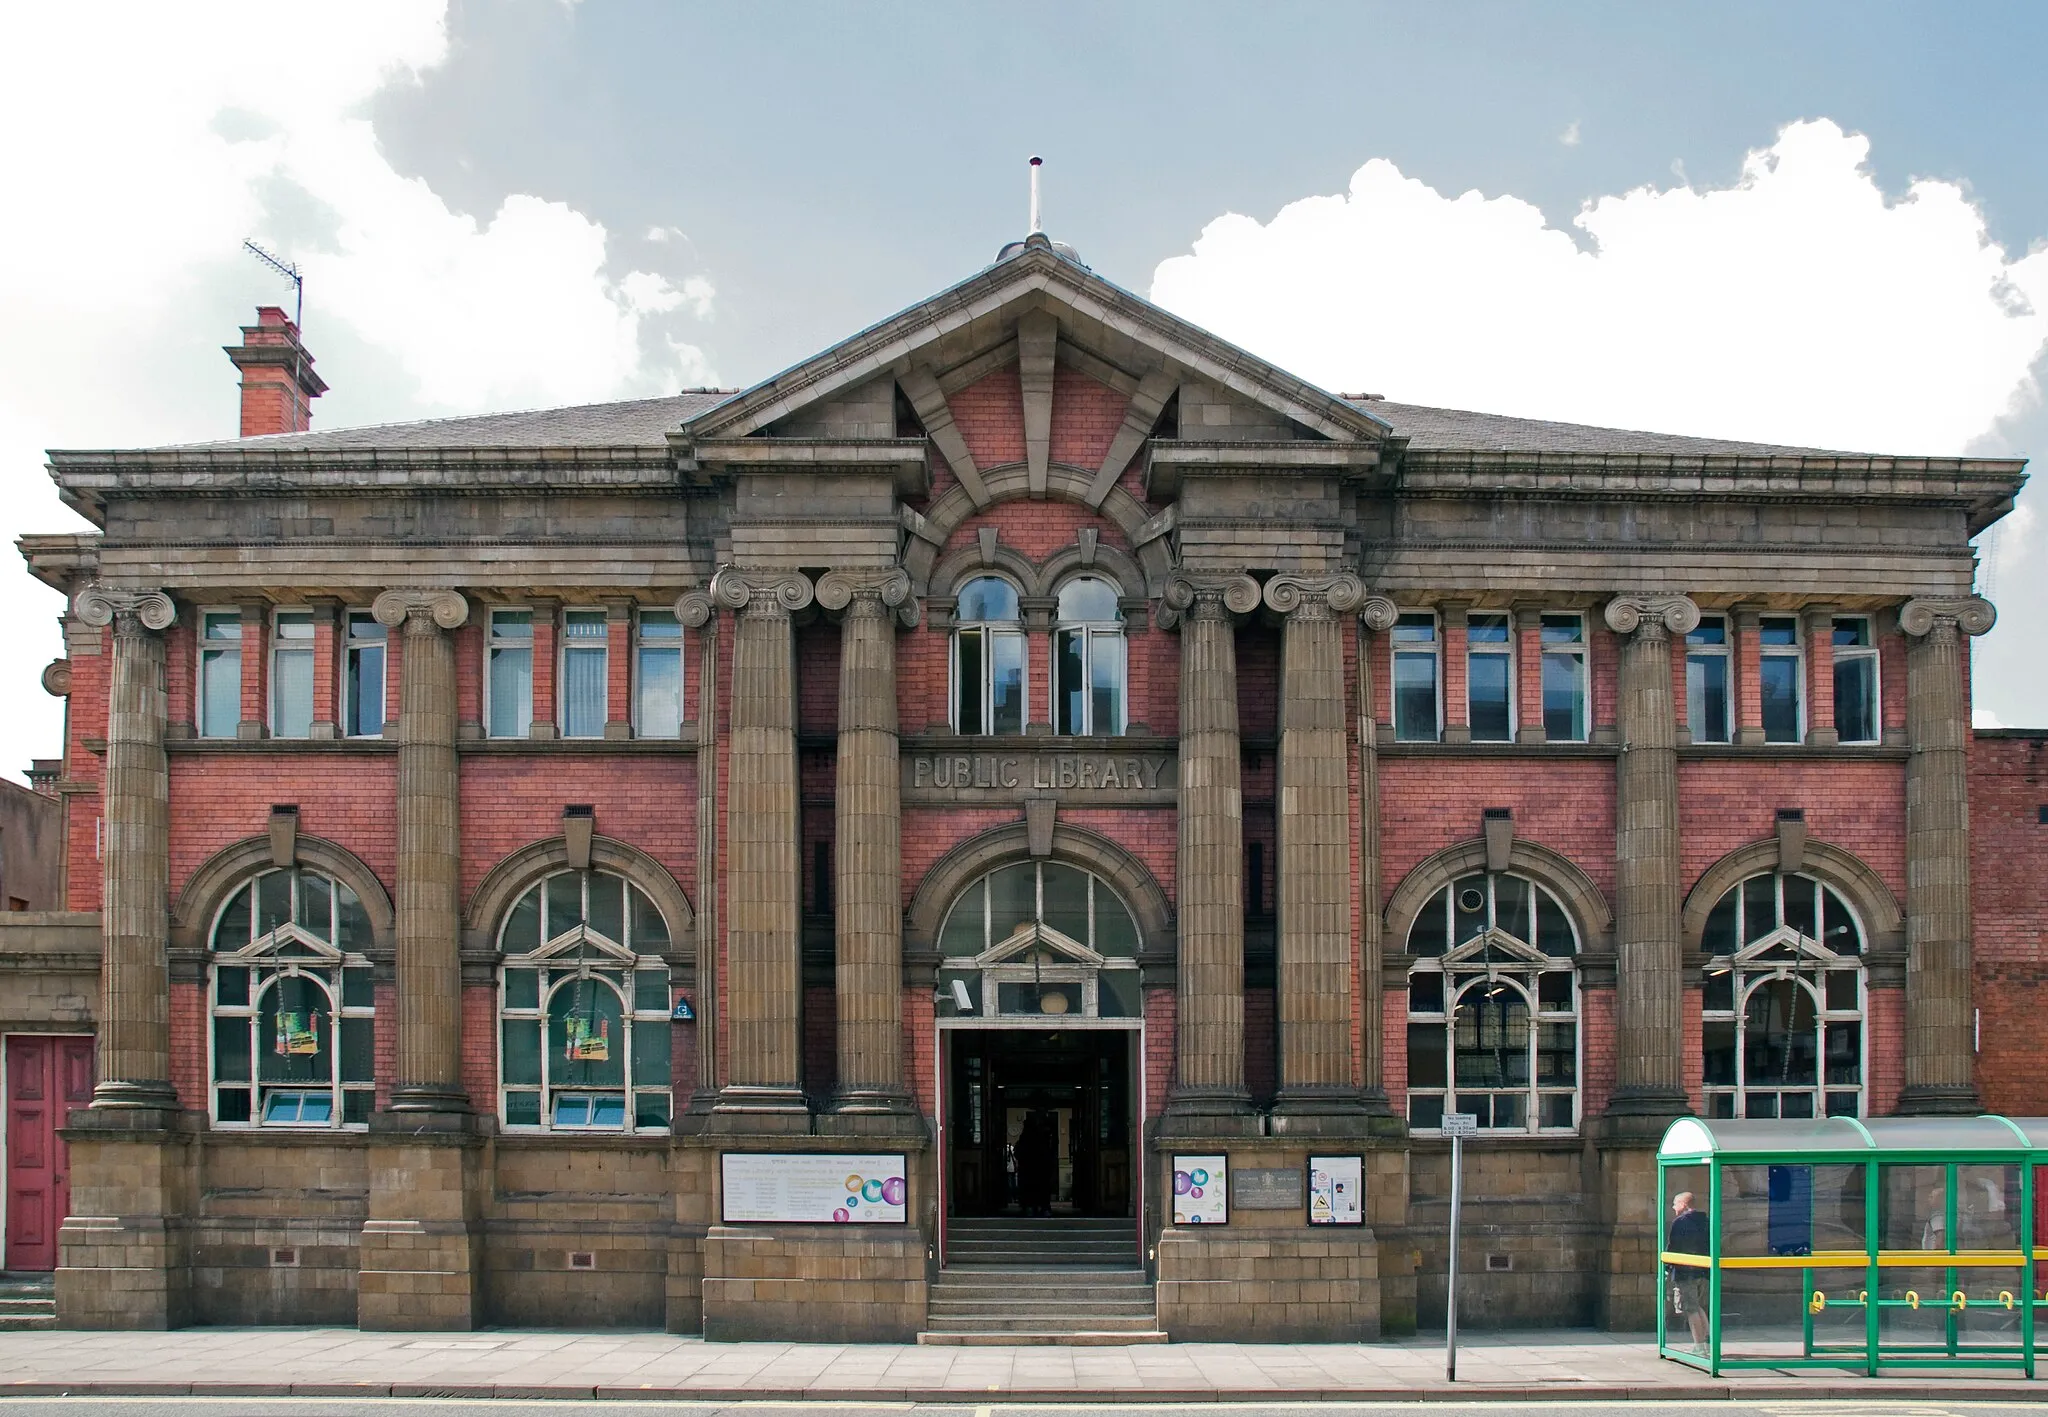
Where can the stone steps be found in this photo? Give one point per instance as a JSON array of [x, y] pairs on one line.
[[27, 1302], [1042, 1282]]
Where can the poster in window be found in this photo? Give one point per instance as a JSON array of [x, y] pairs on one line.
[[806, 1188], [1336, 1190], [1201, 1195], [297, 1034]]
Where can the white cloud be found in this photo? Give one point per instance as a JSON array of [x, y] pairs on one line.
[[139, 143], [1570, 136], [1799, 305], [1984, 718]]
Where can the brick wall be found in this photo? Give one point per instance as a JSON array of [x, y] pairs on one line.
[[2008, 869]]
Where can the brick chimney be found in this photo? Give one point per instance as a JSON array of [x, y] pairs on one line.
[[278, 382]]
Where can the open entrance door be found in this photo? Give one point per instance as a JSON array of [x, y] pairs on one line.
[[1040, 1122]]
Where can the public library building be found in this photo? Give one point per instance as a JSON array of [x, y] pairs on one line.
[[1031, 783]]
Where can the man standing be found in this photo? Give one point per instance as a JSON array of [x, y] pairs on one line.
[[1689, 1284]]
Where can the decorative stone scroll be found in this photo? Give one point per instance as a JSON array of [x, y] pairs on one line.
[[1973, 615], [57, 678], [1341, 593], [694, 608], [446, 608], [1379, 614], [1675, 614], [98, 606], [1188, 597], [839, 590], [758, 593]]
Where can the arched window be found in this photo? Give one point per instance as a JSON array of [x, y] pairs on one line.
[[988, 658], [1088, 691], [1040, 938], [1493, 1013], [1781, 1010], [293, 1042], [584, 1008]]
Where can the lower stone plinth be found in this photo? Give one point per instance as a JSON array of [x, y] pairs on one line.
[[1269, 1287], [122, 1255], [1628, 1179], [420, 1248], [813, 1284]]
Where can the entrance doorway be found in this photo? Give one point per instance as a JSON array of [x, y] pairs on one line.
[[1040, 1122], [44, 1077]]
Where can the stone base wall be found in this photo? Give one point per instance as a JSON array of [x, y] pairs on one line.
[[1216, 1287], [813, 1284], [1530, 1236]]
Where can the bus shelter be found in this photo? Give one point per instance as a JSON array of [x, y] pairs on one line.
[[1896, 1242]]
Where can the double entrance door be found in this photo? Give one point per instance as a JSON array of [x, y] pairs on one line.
[[42, 1078], [1039, 1121]]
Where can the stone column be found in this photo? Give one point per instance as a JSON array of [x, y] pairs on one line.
[[696, 612], [867, 894], [1377, 615], [134, 1016], [1939, 1051], [1318, 1089], [427, 1073], [1209, 1093], [1650, 989], [764, 927]]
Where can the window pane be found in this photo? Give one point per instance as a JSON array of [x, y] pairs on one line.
[[1557, 1110], [565, 902], [1563, 629], [987, 598], [1843, 936], [1717, 994], [1557, 1055], [1711, 630], [659, 710], [1779, 631], [586, 1031], [273, 900], [522, 926], [1779, 677], [355, 921], [522, 988], [1554, 989], [1426, 1055], [1468, 898], [1066, 901], [223, 625], [650, 1053], [232, 1104], [1106, 674], [220, 693], [231, 931], [365, 692], [1509, 1110], [231, 986], [1415, 629], [1415, 698], [1845, 1052], [1706, 697], [1425, 992], [1006, 683], [316, 905], [522, 1050], [291, 693], [1486, 629], [1856, 699], [358, 988], [1116, 933], [1511, 906], [583, 691], [608, 906], [650, 1109], [965, 930], [650, 930], [1427, 937], [968, 666], [650, 991], [358, 1050], [1013, 896], [1719, 937], [522, 1109], [1487, 677], [1801, 911], [1492, 1037], [231, 1049], [511, 692], [1564, 698], [1088, 599], [1553, 929], [1759, 908], [1779, 1039], [1717, 1038], [1425, 1113], [1070, 693], [293, 1020]]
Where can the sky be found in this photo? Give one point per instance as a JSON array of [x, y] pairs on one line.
[[1823, 224]]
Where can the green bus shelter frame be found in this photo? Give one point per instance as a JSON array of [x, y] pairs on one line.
[[1945, 1142]]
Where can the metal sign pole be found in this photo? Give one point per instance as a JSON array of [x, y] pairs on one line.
[[1457, 1126]]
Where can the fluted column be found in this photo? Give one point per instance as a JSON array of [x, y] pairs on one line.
[[696, 612], [427, 1071], [1317, 1082], [1939, 1051], [764, 919], [1378, 615], [867, 895], [134, 1019], [1649, 983], [1209, 1019]]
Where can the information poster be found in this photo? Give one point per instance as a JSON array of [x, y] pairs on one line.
[[1201, 1195], [1336, 1190], [808, 1187]]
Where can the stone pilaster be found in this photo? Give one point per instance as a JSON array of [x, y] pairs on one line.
[[1318, 1089], [764, 926], [1378, 615], [135, 1011], [428, 1064], [1650, 1079], [867, 896], [1209, 1093], [1939, 1044], [696, 612]]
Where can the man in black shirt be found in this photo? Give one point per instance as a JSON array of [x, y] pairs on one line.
[[1689, 1285]]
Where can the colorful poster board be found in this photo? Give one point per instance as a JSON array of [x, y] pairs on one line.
[[814, 1188], [1201, 1193], [1336, 1190]]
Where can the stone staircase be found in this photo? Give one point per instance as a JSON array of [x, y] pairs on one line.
[[1042, 1281], [27, 1301]]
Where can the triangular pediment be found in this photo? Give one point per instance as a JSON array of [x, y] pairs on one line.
[[1036, 938], [1036, 301], [1496, 946], [581, 945], [286, 945], [1784, 946]]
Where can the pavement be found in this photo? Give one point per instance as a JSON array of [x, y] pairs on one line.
[[1552, 1367]]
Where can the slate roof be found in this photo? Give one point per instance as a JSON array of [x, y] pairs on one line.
[[643, 422]]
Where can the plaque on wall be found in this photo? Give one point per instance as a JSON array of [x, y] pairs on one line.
[[1276, 1189], [1336, 1190], [1201, 1194], [1109, 776], [814, 1188]]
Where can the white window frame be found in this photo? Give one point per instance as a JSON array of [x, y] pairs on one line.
[[989, 630], [573, 958], [492, 646], [1435, 654], [1503, 650], [351, 652], [1090, 631], [598, 649], [222, 648], [1725, 653], [661, 644], [1034, 952], [1796, 654], [1855, 654], [281, 646], [1580, 652]]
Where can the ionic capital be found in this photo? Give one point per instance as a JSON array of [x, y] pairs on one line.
[[1207, 598], [869, 592], [1653, 614], [1315, 596], [695, 609], [762, 594], [1379, 614], [57, 678], [445, 609], [146, 609], [1969, 614]]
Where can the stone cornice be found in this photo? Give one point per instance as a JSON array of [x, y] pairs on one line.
[[1972, 614]]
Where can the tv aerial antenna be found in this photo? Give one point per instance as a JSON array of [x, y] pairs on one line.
[[290, 271]]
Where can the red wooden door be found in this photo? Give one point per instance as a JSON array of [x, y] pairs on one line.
[[45, 1077]]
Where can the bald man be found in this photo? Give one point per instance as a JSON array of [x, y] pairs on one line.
[[1688, 1284]]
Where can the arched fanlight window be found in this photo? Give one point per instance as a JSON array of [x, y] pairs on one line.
[[292, 1004], [584, 1008], [1782, 1001], [1040, 938], [1493, 1016], [988, 658], [1089, 666]]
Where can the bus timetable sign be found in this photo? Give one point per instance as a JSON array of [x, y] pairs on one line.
[[1461, 1124]]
